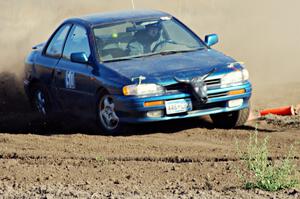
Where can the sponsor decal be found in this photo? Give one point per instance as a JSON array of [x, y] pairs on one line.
[[70, 80]]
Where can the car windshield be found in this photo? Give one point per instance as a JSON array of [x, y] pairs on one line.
[[136, 39]]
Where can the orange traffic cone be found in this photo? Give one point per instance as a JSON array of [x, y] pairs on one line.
[[286, 110]]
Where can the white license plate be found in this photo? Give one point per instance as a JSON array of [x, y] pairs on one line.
[[178, 106], [235, 103]]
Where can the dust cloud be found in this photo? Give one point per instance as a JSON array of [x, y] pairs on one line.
[[263, 34]]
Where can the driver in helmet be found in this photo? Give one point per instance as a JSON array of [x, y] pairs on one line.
[[145, 40]]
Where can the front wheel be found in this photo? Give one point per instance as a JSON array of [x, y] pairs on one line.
[[107, 117], [231, 119]]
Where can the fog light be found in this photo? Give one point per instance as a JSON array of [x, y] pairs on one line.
[[235, 103], [157, 113]]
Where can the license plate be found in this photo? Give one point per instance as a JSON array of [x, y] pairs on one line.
[[178, 106], [235, 103]]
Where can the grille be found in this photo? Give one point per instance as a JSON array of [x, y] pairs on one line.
[[213, 82], [185, 88], [221, 94], [182, 87]]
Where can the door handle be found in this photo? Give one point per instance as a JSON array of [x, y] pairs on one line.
[[58, 72]]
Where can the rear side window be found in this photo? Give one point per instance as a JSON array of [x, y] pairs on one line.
[[77, 42], [56, 45]]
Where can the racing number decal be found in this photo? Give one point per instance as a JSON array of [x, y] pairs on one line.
[[70, 79]]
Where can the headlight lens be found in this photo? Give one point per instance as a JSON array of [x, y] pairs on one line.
[[235, 78], [143, 89]]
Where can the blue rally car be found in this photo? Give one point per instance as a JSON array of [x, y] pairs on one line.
[[135, 66]]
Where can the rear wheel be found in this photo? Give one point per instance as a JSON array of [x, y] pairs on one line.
[[40, 100], [231, 119], [107, 117]]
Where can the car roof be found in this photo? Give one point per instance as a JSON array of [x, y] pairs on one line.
[[112, 17]]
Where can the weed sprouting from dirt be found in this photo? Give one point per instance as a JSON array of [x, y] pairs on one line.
[[100, 158], [259, 171]]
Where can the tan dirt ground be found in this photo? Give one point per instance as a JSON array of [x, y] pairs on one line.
[[176, 159]]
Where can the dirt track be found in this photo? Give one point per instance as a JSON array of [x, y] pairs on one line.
[[178, 159], [193, 162]]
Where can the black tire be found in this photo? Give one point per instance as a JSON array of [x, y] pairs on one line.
[[107, 119], [40, 100], [231, 119]]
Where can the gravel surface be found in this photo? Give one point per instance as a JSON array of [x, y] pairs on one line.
[[176, 159]]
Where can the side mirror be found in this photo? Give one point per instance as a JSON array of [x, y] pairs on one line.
[[79, 57], [211, 39]]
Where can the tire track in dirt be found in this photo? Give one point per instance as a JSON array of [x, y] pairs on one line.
[[168, 159]]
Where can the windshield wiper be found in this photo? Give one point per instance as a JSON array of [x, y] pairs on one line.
[[119, 59], [153, 54], [131, 57], [179, 51], [169, 52]]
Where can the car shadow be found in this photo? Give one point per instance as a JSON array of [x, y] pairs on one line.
[[23, 123], [29, 122], [174, 126]]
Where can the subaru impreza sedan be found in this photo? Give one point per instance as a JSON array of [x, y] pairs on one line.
[[135, 66]]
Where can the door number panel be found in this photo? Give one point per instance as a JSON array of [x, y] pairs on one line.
[[70, 80]]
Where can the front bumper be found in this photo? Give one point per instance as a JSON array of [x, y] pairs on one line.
[[131, 109]]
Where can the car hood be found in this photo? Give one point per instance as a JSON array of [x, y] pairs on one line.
[[162, 69]]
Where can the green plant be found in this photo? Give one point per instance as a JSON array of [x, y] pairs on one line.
[[262, 172], [100, 158]]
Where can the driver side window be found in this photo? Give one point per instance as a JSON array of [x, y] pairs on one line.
[[77, 42], [179, 35], [55, 46]]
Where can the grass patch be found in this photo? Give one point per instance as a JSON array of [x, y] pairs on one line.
[[100, 158], [261, 172]]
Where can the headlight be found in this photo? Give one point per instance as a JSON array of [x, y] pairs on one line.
[[235, 78], [143, 89]]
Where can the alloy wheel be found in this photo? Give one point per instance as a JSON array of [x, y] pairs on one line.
[[107, 114], [40, 101]]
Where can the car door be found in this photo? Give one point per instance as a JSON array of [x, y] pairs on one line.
[[74, 80], [47, 60]]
